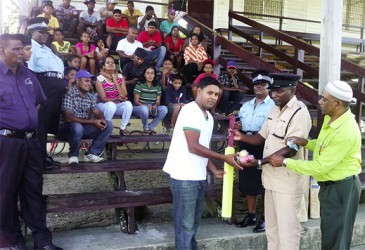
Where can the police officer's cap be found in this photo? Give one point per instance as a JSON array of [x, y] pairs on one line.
[[260, 76], [283, 80], [38, 23]]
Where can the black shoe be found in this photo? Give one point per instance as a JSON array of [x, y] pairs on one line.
[[260, 227], [49, 247], [49, 164], [49, 158], [249, 220]]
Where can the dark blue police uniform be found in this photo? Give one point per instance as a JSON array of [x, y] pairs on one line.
[[21, 165]]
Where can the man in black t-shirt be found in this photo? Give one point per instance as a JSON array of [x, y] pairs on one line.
[[133, 71]]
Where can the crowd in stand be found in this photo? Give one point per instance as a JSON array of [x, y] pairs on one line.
[[143, 67], [74, 91]]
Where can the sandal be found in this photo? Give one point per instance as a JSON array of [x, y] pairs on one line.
[[124, 132]]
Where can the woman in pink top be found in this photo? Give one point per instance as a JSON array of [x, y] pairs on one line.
[[86, 51], [112, 94]]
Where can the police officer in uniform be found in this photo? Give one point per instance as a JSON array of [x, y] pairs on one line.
[[284, 189], [49, 71], [21, 163]]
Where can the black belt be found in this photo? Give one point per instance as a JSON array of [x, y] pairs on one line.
[[250, 132], [327, 183], [51, 74], [19, 134]]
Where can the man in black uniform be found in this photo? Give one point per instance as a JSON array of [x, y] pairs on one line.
[[21, 165], [48, 68]]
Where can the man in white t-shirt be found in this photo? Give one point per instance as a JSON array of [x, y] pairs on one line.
[[187, 160], [150, 16], [127, 46], [90, 20]]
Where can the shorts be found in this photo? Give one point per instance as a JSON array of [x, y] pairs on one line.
[[170, 109]]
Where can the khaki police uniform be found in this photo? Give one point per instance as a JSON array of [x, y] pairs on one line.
[[284, 189]]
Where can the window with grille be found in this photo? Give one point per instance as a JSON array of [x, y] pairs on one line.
[[264, 7], [354, 12]]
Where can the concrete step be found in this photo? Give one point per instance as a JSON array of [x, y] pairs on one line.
[[213, 234]]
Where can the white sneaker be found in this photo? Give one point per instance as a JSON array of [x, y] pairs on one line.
[[92, 158], [73, 160]]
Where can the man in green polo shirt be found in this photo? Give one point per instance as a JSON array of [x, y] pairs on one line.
[[335, 165]]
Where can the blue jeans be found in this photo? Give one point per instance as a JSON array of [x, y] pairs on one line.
[[188, 201], [157, 54], [144, 112], [74, 132], [122, 109]]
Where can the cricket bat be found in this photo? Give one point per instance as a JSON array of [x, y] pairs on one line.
[[227, 194]]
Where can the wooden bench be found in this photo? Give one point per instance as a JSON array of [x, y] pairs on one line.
[[120, 197]]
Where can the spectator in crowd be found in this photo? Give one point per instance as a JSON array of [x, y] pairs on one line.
[[174, 46], [152, 42], [284, 188], [132, 14], [100, 51], [70, 77], [36, 10], [73, 61], [90, 20], [86, 51], [167, 25], [21, 165], [61, 47], [233, 91], [107, 11], [77, 123], [252, 116], [127, 46], [48, 68], [112, 94], [194, 56], [67, 16], [27, 48], [133, 71], [187, 161], [52, 21], [208, 65], [175, 98], [336, 164], [150, 16], [198, 31], [166, 74], [117, 28], [147, 99]]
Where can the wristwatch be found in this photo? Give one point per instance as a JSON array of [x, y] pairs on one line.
[[284, 163], [259, 166]]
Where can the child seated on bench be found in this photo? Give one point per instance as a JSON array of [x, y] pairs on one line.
[[86, 51], [208, 65], [175, 98], [147, 99]]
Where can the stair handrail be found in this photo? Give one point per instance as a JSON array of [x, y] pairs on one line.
[[281, 18], [300, 45], [305, 92]]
